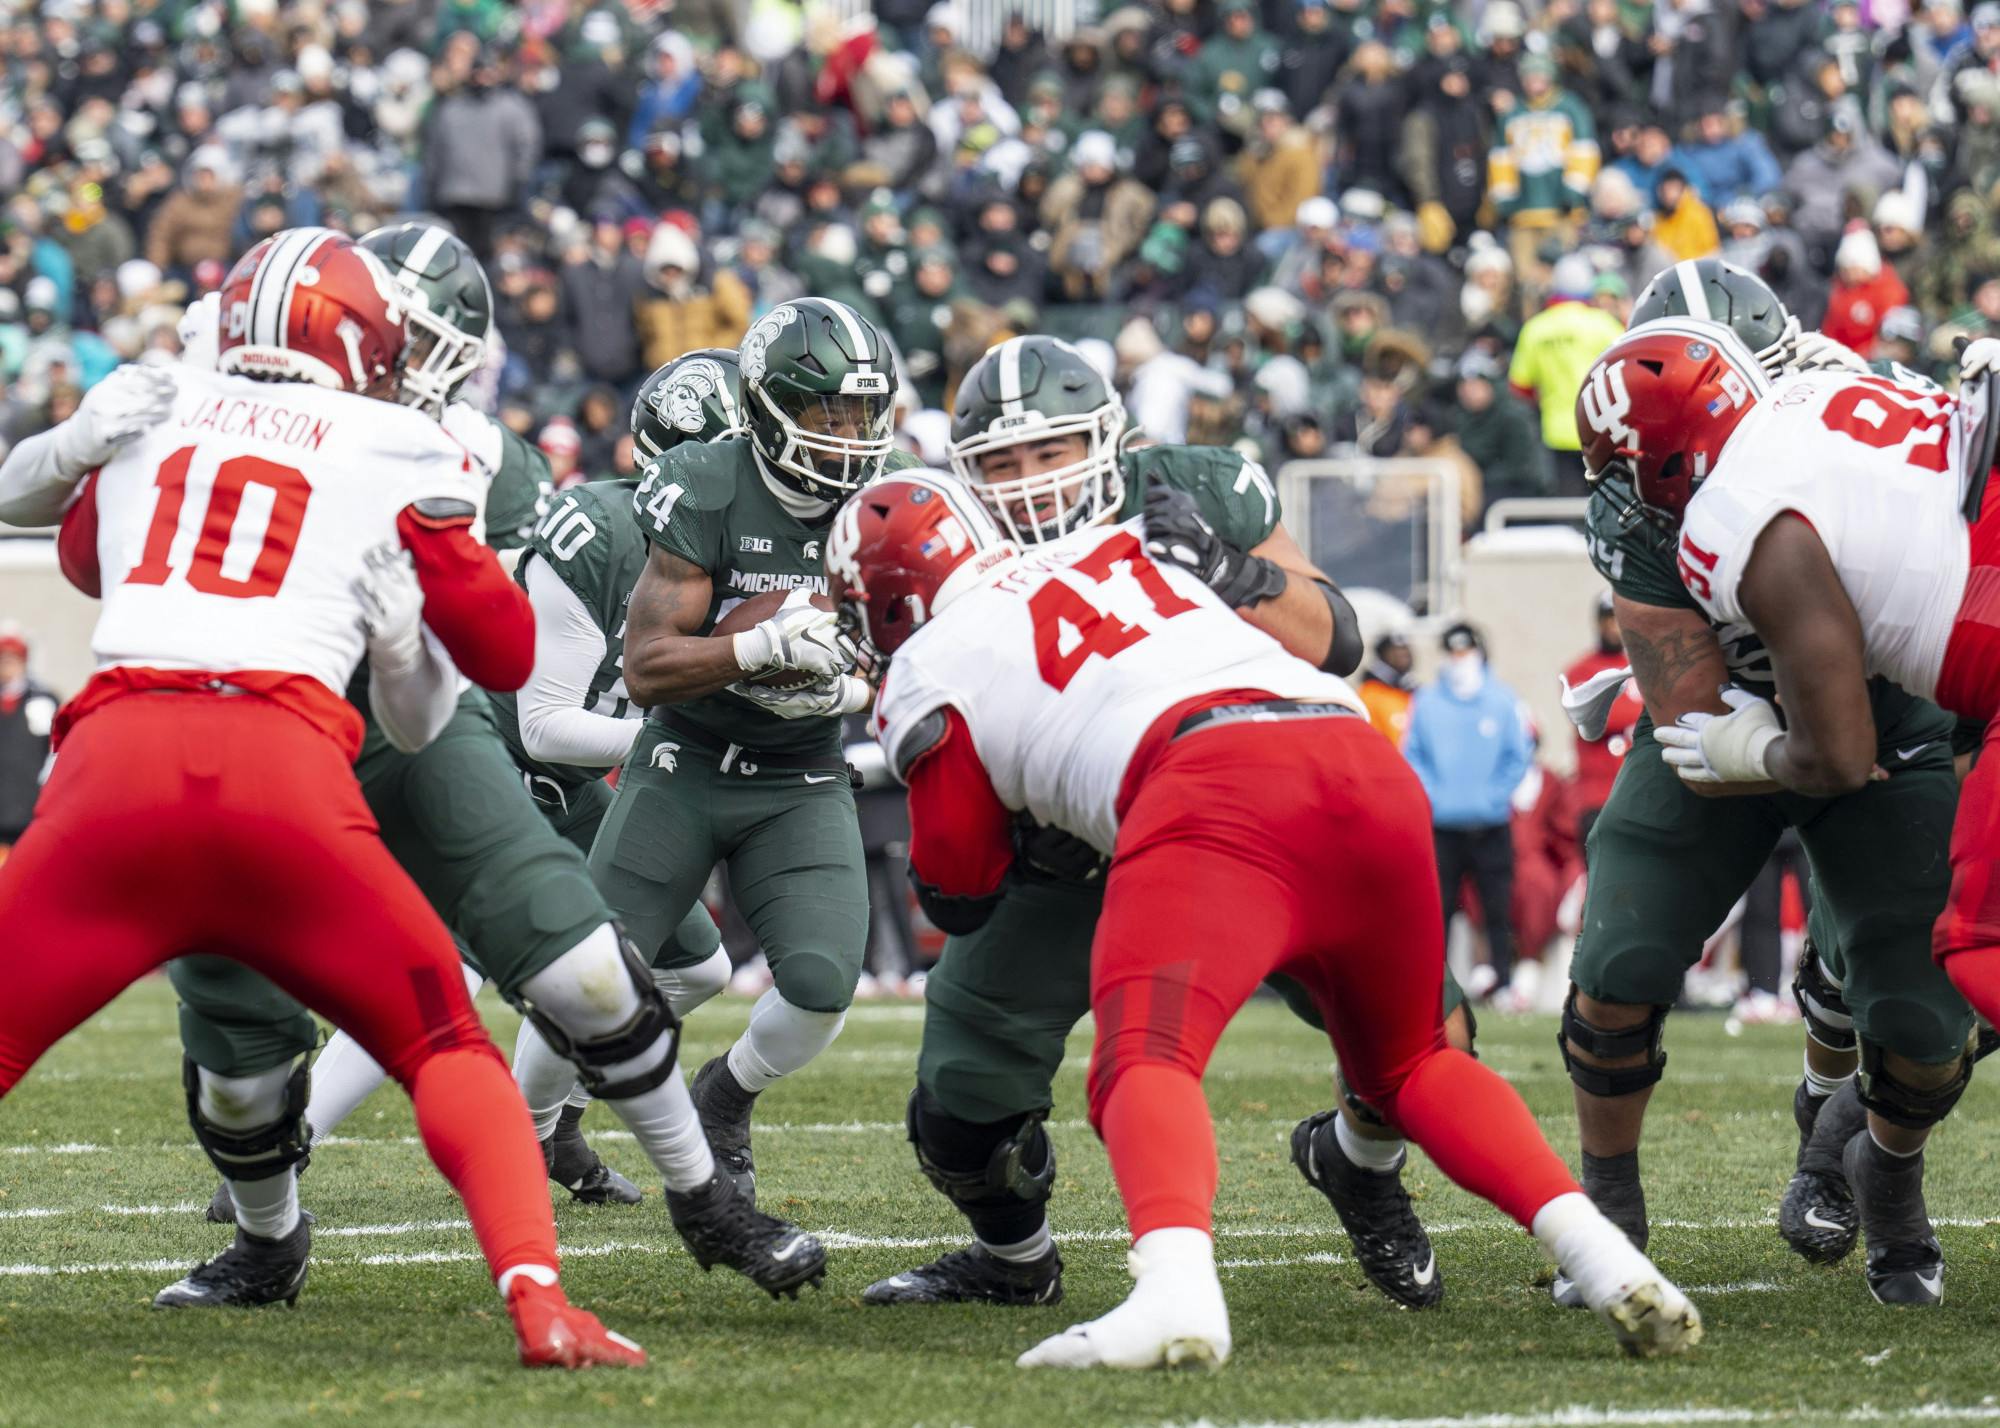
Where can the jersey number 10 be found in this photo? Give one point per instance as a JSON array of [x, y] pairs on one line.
[[288, 492], [1058, 608]]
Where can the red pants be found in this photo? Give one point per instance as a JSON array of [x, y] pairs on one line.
[[1303, 847], [176, 823]]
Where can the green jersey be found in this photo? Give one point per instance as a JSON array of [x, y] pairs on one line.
[[1637, 557], [590, 540], [1233, 492], [518, 485], [709, 504]]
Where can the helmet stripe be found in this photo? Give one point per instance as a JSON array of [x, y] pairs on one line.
[[855, 331], [428, 242], [274, 275], [1010, 375], [319, 239], [1693, 291]]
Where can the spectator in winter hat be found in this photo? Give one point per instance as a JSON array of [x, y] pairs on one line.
[[903, 146], [1096, 218], [1899, 233], [1864, 290], [1967, 252], [1683, 225], [1497, 432], [562, 446], [1280, 163], [1313, 54], [1442, 157], [1225, 264], [1846, 161], [1900, 339], [1539, 173], [1239, 59], [196, 220]]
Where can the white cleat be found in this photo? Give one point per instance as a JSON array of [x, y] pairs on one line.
[[1174, 1318], [1654, 1319]]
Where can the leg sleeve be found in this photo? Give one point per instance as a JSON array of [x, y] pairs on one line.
[[1000, 1003], [798, 873], [1666, 865]]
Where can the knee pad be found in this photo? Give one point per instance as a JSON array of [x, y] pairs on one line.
[[1912, 1107], [1608, 1042], [981, 1165], [1822, 1003], [642, 1030], [262, 1151], [816, 981]]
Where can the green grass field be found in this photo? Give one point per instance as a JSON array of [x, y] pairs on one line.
[[100, 1191]]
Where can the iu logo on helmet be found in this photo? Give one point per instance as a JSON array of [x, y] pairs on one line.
[[1606, 403]]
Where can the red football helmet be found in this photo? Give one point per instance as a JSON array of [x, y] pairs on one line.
[[1660, 403], [309, 305], [901, 549]]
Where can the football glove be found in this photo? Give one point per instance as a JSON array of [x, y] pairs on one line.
[[836, 694], [1178, 533], [1589, 704], [1723, 748], [1816, 352], [1980, 357], [129, 402], [1045, 854], [800, 636], [392, 609]]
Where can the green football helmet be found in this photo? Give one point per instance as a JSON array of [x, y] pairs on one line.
[[450, 307], [696, 397], [819, 396], [1030, 390], [1711, 289]]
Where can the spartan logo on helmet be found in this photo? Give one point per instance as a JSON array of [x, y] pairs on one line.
[[695, 383], [758, 342]]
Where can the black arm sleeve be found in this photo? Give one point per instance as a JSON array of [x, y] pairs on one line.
[[1343, 656], [955, 916]]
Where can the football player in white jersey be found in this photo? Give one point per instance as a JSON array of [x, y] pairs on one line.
[[1123, 702], [1829, 514], [252, 542]]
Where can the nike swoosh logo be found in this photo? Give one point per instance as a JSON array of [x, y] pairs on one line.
[[1933, 1283], [1820, 1222], [792, 1247], [821, 778], [1910, 753], [1424, 1276]]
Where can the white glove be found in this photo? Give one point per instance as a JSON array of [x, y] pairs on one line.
[[392, 610], [1723, 748], [1980, 358], [800, 636], [840, 694], [1816, 352], [125, 405], [1589, 704]]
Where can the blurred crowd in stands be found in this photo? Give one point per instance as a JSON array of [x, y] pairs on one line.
[[1395, 227]]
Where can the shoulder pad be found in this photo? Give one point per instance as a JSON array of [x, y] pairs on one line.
[[923, 736], [439, 512]]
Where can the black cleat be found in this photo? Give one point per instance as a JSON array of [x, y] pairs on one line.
[[719, 1226], [1818, 1217], [1905, 1262], [250, 1272], [724, 1108], [575, 1166], [973, 1275], [1389, 1241]]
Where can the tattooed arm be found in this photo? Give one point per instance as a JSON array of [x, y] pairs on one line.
[[665, 661], [1679, 665]]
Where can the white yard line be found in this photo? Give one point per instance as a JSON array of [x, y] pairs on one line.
[[1585, 1416]]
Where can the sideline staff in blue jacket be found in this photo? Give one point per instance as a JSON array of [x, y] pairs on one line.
[[1469, 745]]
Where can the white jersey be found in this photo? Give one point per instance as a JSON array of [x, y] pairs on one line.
[[1063, 660], [1874, 467], [230, 537]]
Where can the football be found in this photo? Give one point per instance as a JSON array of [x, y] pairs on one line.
[[753, 612]]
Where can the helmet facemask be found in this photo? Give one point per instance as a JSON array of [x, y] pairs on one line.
[[831, 444], [1050, 504], [440, 357], [1776, 358]]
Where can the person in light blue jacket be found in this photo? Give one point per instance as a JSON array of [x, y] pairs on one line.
[[1469, 745]]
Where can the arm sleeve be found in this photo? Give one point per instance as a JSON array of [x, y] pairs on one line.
[[76, 542], [482, 618], [413, 704], [569, 647], [959, 843], [34, 484]]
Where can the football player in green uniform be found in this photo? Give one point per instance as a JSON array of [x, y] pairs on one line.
[[520, 898], [1043, 438], [1666, 864], [752, 773], [574, 720]]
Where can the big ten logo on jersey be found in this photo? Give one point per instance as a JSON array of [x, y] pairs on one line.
[[565, 529], [756, 545], [236, 538], [1100, 603]]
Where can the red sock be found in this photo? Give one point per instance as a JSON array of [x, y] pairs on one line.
[[1478, 1131], [477, 1131], [1162, 1147], [1976, 974]]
